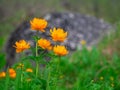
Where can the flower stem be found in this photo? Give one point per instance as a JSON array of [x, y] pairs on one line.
[[48, 79], [58, 64], [37, 64], [21, 77], [21, 67], [58, 70]]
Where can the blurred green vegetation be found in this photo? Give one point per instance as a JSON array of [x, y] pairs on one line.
[[106, 9], [88, 70]]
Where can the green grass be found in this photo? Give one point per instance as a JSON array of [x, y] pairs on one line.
[[84, 70], [110, 43]]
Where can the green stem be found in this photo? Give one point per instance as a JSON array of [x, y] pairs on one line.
[[37, 64], [58, 64], [21, 77], [7, 80], [21, 73], [48, 79], [58, 70]]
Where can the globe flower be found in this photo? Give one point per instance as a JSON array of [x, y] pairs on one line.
[[29, 70], [21, 46], [12, 73], [2, 74], [38, 24], [60, 50], [45, 44], [58, 34]]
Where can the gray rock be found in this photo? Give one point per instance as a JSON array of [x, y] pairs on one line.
[[79, 27]]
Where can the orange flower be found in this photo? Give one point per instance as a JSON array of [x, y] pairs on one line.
[[21, 46], [60, 50], [2, 74], [44, 43], [29, 70], [12, 73], [58, 34], [38, 24]]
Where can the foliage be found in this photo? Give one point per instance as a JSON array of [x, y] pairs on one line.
[[84, 70]]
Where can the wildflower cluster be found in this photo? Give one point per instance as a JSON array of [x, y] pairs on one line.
[[57, 35], [11, 72]]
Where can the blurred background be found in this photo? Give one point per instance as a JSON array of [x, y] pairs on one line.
[[13, 12]]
